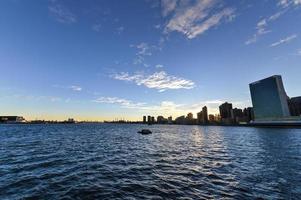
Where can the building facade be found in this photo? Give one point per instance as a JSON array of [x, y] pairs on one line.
[[202, 117], [295, 106], [269, 99], [225, 111], [144, 119]]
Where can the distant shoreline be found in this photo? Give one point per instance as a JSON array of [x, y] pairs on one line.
[[258, 125]]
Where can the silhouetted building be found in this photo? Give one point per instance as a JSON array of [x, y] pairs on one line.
[[237, 115], [295, 106], [199, 117], [70, 121], [180, 120], [149, 119], [225, 111], [189, 116], [249, 114], [217, 118], [153, 120], [205, 114], [211, 118], [189, 119], [144, 119], [11, 119], [269, 99], [161, 120], [170, 120], [202, 117]]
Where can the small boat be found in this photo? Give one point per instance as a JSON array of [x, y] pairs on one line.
[[145, 132]]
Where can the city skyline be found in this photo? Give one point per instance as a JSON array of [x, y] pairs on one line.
[[100, 61]]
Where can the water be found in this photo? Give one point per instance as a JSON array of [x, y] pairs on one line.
[[107, 161]]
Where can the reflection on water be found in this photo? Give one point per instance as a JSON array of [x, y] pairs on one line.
[[114, 162]]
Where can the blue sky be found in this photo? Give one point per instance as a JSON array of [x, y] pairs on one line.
[[96, 60]]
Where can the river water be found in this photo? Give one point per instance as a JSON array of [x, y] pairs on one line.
[[113, 161]]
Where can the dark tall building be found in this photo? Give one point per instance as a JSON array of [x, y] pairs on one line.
[[237, 115], [225, 110], [295, 106], [149, 119], [199, 116], [205, 114], [153, 120], [202, 117], [269, 99], [161, 120], [180, 120], [249, 114], [189, 119], [144, 119], [211, 118]]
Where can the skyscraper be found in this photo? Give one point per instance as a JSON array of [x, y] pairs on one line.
[[149, 119], [144, 119], [269, 99], [225, 110], [161, 120], [189, 119], [295, 106], [237, 115], [249, 114], [202, 117], [205, 114]]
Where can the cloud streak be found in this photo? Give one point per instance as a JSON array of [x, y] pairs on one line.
[[261, 27], [193, 18], [61, 13], [166, 107], [76, 88], [143, 50], [284, 40], [287, 3], [158, 80], [168, 6], [119, 101]]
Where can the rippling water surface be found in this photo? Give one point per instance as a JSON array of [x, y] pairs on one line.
[[106, 161]]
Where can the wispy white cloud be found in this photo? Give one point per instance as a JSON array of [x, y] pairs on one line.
[[143, 50], [193, 18], [119, 101], [76, 88], [168, 6], [167, 107], [158, 80], [159, 66], [261, 27], [287, 3], [72, 87], [164, 106], [61, 13], [284, 40]]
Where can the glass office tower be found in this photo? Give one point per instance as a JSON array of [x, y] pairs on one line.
[[269, 99]]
